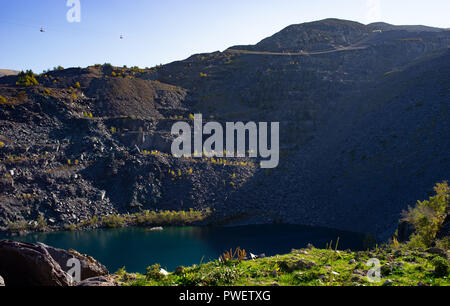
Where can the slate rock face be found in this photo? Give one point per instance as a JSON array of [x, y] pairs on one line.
[[310, 36], [25, 264], [363, 114]]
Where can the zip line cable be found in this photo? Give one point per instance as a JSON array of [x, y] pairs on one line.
[[65, 30], [52, 29]]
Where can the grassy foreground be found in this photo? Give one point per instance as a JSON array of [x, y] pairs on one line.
[[308, 267], [422, 261]]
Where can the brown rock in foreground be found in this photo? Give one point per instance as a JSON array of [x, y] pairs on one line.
[[25, 264], [89, 266], [101, 281]]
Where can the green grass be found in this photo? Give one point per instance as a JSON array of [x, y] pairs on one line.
[[310, 267]]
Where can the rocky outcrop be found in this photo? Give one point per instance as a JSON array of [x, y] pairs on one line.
[[24, 264], [101, 281], [309, 36], [89, 266]]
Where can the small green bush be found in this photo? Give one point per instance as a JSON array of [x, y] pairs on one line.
[[222, 275], [428, 217], [441, 266], [154, 273], [70, 227], [113, 221], [121, 272], [41, 223], [107, 68], [15, 227], [190, 279], [301, 278], [443, 243], [26, 79]]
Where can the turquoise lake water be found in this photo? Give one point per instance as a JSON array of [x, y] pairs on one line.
[[137, 248]]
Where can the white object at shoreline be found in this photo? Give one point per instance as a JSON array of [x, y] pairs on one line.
[[156, 229]]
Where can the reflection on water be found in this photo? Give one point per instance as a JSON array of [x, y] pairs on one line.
[[137, 248]]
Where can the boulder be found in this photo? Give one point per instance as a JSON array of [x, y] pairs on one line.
[[156, 229], [438, 251], [101, 281], [101, 195], [89, 266], [24, 264]]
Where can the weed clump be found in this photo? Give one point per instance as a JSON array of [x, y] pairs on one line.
[[16, 227], [41, 223], [154, 273], [113, 221], [231, 255]]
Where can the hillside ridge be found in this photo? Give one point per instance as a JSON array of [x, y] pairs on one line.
[[363, 119]]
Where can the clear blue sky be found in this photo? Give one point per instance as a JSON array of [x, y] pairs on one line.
[[161, 31]]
